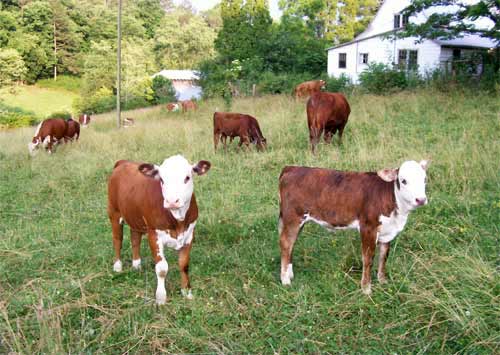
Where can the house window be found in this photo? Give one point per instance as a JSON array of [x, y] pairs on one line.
[[397, 21], [407, 59], [405, 20], [363, 58], [456, 54], [342, 60]]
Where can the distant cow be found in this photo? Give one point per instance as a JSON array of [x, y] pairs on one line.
[[188, 105], [48, 133], [73, 130], [128, 122], [229, 124], [172, 107], [326, 113], [376, 204], [308, 88], [84, 120], [159, 201]]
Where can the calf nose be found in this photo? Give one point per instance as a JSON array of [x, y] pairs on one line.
[[421, 201], [175, 204]]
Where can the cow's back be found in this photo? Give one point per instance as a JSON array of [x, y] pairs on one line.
[[327, 107], [55, 127]]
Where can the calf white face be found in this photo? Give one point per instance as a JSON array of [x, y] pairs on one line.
[[176, 178], [410, 185]]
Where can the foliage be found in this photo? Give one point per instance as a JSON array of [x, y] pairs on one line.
[[60, 114], [65, 82], [382, 79], [341, 84], [13, 117], [163, 90], [336, 21], [60, 295], [451, 24], [12, 68], [101, 101]]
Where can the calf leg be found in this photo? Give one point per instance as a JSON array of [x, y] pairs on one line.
[[368, 244], [117, 229], [216, 140], [161, 266], [341, 131], [314, 137], [384, 249], [288, 235], [136, 237], [184, 269]]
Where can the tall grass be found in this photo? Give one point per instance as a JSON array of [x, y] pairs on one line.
[[59, 294]]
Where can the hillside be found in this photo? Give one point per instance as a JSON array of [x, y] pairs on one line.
[[60, 295]]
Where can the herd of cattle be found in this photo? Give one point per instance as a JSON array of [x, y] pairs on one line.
[[159, 200]]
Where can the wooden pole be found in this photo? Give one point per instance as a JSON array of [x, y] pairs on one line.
[[119, 65]]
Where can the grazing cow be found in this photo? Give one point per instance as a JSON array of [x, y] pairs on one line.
[[48, 133], [128, 122], [159, 201], [308, 88], [172, 107], [84, 120], [326, 113], [376, 204], [73, 130], [188, 105], [229, 124]]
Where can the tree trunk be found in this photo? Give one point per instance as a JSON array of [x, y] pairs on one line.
[[55, 52]]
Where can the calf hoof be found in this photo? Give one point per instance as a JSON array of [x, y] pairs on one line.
[[136, 264], [187, 293], [117, 266], [287, 276], [382, 279], [366, 289], [161, 298]]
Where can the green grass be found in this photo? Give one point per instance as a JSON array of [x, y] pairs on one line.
[[41, 101], [63, 82], [59, 294]]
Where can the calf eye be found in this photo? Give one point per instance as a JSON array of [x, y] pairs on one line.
[[186, 179], [404, 182]]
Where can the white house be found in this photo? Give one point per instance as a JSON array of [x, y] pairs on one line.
[[184, 83], [375, 45]]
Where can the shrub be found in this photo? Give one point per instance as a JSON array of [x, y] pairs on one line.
[[102, 101], [379, 78], [60, 114], [340, 84], [163, 90], [11, 117], [65, 82]]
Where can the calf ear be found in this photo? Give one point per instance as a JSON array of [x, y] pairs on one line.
[[202, 167], [388, 174], [150, 171], [424, 164]]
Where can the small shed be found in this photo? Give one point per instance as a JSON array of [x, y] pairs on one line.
[[185, 83]]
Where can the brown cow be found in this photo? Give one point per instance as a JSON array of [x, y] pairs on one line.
[[158, 201], [48, 133], [84, 120], [229, 124], [376, 204], [172, 107], [308, 88], [188, 105], [73, 130], [326, 113]]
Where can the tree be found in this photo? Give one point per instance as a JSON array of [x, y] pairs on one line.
[[451, 24], [333, 20], [163, 90], [12, 68]]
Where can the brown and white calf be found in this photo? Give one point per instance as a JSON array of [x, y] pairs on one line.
[[158, 201], [84, 119], [376, 204], [48, 133]]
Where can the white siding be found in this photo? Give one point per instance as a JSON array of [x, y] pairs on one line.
[[384, 19]]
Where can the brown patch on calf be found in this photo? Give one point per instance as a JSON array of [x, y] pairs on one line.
[[229, 124]]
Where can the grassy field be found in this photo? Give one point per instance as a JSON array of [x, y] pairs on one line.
[[58, 293], [41, 101]]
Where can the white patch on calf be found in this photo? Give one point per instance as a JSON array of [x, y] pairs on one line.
[[118, 266], [308, 218], [182, 240], [187, 293], [391, 226], [161, 269], [412, 180], [287, 275], [37, 132], [136, 263]]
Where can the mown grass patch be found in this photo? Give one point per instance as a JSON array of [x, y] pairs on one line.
[[59, 294]]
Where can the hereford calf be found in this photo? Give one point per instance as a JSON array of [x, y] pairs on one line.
[[188, 105], [308, 88], [376, 204], [157, 201], [326, 113], [73, 130], [48, 133], [229, 124], [172, 107], [84, 120]]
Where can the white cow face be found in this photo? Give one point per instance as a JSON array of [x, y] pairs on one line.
[[176, 178], [410, 185]]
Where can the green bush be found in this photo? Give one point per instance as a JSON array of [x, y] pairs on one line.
[[11, 117], [163, 90], [60, 114], [380, 78], [341, 84], [102, 101], [65, 82]]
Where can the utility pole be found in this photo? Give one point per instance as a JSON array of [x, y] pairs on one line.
[[119, 65]]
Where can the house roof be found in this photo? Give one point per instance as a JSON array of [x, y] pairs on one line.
[[474, 41], [178, 74]]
